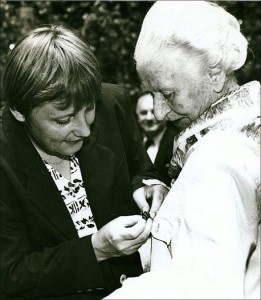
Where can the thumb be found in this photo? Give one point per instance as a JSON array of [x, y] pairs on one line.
[[139, 198], [135, 230], [129, 221]]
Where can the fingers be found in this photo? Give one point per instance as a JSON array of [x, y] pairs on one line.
[[121, 236], [145, 213], [157, 200], [158, 194], [129, 221], [136, 230], [144, 233], [134, 244], [140, 199], [147, 229]]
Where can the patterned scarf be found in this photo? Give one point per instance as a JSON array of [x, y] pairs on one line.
[[238, 110]]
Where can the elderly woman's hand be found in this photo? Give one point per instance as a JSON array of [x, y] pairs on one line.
[[156, 192], [121, 236]]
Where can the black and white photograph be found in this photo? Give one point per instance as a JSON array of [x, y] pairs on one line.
[[130, 150]]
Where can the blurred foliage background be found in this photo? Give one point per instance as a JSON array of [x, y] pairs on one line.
[[111, 29]]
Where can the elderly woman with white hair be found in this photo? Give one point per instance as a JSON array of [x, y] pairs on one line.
[[206, 235]]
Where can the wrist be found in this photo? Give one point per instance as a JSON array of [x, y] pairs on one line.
[[150, 182], [97, 245]]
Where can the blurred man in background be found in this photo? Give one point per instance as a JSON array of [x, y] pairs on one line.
[[157, 135]]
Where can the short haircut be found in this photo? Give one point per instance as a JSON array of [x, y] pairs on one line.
[[51, 63]]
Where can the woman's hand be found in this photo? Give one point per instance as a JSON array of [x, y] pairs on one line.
[[156, 192], [121, 236]]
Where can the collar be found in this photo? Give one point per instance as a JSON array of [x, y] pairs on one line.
[[235, 110], [156, 139], [39, 186]]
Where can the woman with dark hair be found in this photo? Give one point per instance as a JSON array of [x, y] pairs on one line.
[[69, 225]]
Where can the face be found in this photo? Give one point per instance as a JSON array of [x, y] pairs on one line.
[[179, 83], [59, 131], [145, 116]]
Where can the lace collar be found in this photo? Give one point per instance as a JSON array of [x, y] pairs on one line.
[[238, 110]]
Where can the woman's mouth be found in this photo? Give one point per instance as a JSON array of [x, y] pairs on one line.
[[75, 141]]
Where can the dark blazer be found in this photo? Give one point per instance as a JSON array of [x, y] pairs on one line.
[[41, 254], [165, 153]]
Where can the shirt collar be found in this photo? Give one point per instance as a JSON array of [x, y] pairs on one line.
[[156, 139]]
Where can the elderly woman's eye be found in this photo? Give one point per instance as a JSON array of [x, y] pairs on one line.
[[169, 96]]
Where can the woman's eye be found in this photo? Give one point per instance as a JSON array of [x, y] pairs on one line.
[[63, 121]]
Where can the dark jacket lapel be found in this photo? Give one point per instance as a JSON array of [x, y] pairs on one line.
[[45, 195], [35, 178], [97, 167]]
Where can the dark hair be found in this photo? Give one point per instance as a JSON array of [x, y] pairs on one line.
[[51, 63]]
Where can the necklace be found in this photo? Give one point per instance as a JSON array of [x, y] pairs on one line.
[[54, 163]]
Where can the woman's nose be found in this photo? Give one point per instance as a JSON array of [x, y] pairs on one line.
[[161, 108], [82, 129]]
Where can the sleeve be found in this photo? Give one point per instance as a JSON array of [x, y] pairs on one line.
[[210, 216], [213, 215], [139, 163], [30, 270]]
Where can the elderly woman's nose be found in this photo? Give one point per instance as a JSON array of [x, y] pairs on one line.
[[161, 108], [82, 129]]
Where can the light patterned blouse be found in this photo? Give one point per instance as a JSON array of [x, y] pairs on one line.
[[75, 198]]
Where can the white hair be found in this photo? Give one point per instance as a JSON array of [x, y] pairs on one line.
[[201, 26]]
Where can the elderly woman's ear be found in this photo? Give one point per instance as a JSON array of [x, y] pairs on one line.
[[18, 116], [217, 77]]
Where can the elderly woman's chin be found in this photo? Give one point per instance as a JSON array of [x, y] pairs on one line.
[[182, 123]]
